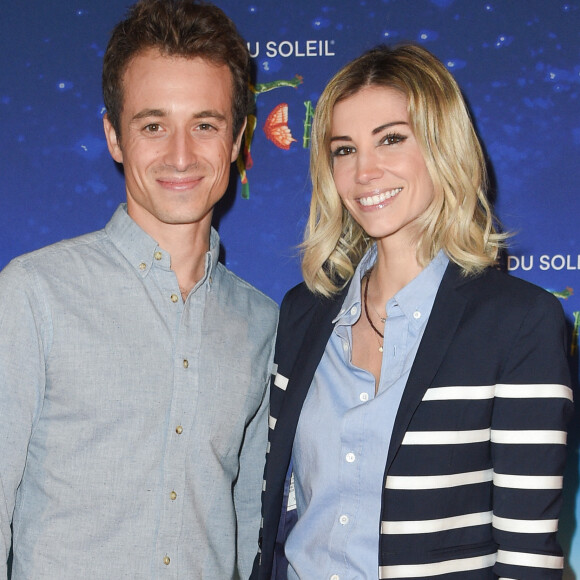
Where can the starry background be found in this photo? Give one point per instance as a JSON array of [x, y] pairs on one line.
[[517, 61]]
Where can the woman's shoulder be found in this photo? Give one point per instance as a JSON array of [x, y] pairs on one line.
[[500, 287], [300, 299], [300, 305]]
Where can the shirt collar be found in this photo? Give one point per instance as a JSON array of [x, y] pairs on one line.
[[351, 307], [415, 300], [143, 252]]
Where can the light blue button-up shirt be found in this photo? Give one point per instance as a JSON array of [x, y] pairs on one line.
[[133, 425], [344, 431]]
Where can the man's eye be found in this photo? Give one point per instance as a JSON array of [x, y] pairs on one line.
[[205, 127], [152, 128]]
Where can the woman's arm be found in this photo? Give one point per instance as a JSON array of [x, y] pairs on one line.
[[533, 404]]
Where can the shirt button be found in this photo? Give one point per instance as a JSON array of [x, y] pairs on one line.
[[174, 298], [335, 577], [353, 310], [344, 345], [142, 266], [179, 429], [172, 496], [350, 457], [364, 397], [416, 315], [158, 255], [166, 560], [185, 363], [343, 520]]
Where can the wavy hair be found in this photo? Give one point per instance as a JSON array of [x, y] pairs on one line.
[[185, 28], [459, 220]]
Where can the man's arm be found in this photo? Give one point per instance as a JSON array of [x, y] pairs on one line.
[[21, 387], [5, 533], [248, 489]]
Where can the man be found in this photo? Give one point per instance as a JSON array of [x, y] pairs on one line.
[[133, 366]]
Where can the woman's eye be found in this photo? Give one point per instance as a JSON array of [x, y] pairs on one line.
[[342, 151], [393, 138]]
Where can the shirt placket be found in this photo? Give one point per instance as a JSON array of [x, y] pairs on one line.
[[185, 352], [349, 466]]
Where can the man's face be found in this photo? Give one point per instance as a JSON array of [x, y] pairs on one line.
[[176, 142]]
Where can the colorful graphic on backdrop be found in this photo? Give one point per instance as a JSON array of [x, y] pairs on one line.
[[282, 133], [276, 127]]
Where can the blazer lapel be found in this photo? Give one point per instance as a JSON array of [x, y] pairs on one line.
[[445, 316], [313, 344]]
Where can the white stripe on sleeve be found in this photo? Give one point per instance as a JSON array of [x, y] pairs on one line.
[[437, 568], [440, 525], [525, 526], [541, 391], [437, 481], [528, 437], [281, 381], [528, 481], [531, 560]]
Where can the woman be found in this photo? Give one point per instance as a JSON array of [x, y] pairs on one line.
[[418, 413]]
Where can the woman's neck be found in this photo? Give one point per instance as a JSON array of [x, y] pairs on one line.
[[392, 271]]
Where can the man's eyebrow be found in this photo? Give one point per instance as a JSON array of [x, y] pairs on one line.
[[146, 113], [208, 114]]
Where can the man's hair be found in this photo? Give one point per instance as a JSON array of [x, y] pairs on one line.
[[459, 220], [183, 28]]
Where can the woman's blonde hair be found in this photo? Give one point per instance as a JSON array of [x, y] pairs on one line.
[[459, 220]]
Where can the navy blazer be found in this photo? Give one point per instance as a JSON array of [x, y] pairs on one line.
[[473, 477]]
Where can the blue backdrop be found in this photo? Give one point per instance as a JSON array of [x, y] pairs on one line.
[[518, 62]]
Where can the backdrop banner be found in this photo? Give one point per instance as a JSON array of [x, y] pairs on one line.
[[517, 61]]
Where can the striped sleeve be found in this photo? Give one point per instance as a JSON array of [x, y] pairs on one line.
[[525, 473], [533, 403], [529, 449]]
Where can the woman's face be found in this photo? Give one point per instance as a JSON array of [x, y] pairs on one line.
[[378, 167]]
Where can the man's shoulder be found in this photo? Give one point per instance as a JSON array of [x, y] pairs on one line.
[[57, 255], [65, 246], [239, 292]]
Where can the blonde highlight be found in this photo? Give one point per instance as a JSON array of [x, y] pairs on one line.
[[459, 220]]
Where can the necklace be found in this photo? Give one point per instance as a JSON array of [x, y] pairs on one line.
[[366, 290], [381, 318]]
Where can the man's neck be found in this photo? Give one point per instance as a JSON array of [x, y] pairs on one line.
[[187, 244], [187, 249]]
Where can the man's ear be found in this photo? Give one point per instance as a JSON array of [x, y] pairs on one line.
[[238, 142], [112, 140]]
